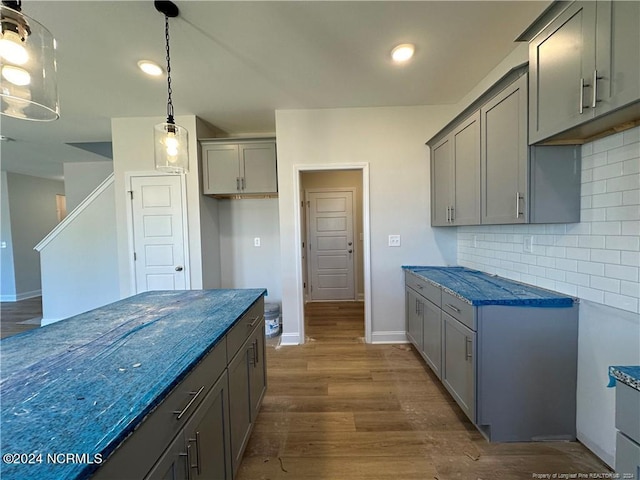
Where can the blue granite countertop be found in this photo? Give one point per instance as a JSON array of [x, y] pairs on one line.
[[83, 384], [629, 375], [479, 288]]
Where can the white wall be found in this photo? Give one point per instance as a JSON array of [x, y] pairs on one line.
[[81, 178], [32, 210], [78, 268], [7, 271], [133, 152], [242, 264], [392, 141]]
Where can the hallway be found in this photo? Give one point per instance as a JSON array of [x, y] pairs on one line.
[[338, 409]]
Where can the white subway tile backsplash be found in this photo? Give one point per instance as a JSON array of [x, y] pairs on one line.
[[623, 153], [631, 166], [622, 272], [606, 228], [631, 197], [628, 212], [579, 253], [613, 199], [591, 294], [597, 259], [608, 171], [605, 256], [626, 182], [630, 258], [608, 143], [623, 243], [631, 228], [591, 268]]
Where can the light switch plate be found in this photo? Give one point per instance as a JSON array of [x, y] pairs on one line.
[[256, 242], [527, 243], [394, 240]]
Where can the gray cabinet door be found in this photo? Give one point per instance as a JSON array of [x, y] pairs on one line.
[[617, 55], [172, 465], [458, 366], [441, 182], [432, 336], [414, 318], [561, 64], [466, 172], [221, 170], [258, 164], [504, 157], [240, 370], [207, 436], [259, 369]]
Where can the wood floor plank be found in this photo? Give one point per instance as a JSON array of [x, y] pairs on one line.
[[339, 409]]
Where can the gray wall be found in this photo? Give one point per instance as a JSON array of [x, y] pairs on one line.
[[32, 209], [80, 179]]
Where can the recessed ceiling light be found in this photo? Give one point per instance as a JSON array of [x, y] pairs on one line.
[[403, 52], [150, 68]]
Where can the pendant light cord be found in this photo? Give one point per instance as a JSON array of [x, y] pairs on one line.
[[169, 91]]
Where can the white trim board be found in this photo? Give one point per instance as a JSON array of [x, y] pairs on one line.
[[366, 246]]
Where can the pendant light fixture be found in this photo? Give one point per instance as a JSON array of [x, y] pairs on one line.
[[28, 85], [170, 140]]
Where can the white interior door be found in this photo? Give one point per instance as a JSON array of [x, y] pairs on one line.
[[330, 220], [158, 233]]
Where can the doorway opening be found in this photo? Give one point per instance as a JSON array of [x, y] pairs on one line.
[[334, 233]]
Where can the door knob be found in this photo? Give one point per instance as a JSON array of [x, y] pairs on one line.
[[350, 243], [350, 251], [179, 268]]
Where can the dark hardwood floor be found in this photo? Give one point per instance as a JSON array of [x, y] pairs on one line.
[[339, 409], [17, 317]]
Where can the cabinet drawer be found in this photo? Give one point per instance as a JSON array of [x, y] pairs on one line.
[[423, 287], [459, 309], [627, 456], [243, 328], [628, 411], [139, 452]]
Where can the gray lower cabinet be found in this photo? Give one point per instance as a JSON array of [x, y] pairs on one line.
[[233, 168], [628, 435], [202, 449], [584, 64], [247, 385], [458, 367], [200, 430], [495, 360], [414, 306]]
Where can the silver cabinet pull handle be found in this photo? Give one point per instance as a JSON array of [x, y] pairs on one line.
[[189, 462], [191, 465], [256, 352], [468, 351], [242, 183], [519, 200], [452, 214], [238, 182], [253, 324], [455, 309], [194, 395], [447, 214], [595, 88]]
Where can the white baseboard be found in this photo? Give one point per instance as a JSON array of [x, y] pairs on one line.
[[360, 297], [48, 321], [389, 337], [290, 339], [20, 296]]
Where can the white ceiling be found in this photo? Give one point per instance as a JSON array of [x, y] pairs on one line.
[[234, 63]]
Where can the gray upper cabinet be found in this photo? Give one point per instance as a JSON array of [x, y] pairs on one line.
[[483, 171], [583, 65], [239, 168], [504, 159], [456, 174]]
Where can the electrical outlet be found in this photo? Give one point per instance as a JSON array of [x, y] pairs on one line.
[[527, 243], [475, 241], [256, 242], [3, 244], [394, 240]]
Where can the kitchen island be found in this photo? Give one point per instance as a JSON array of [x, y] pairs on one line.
[[505, 351], [97, 385]]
